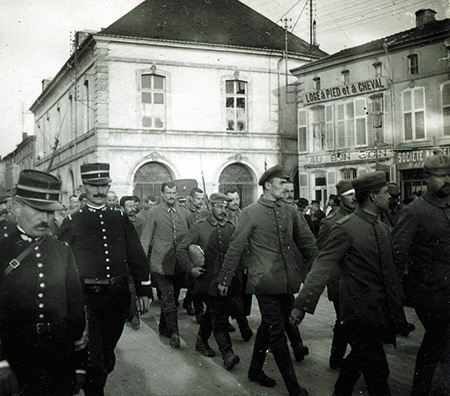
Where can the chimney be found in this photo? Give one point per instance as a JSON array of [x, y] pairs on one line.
[[424, 17], [45, 83], [24, 136]]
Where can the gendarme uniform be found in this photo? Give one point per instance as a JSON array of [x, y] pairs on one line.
[[41, 301], [105, 245]]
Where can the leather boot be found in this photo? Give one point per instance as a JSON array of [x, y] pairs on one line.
[[338, 348], [163, 330], [172, 327], [230, 359], [293, 333], [203, 347], [260, 350], [283, 359]]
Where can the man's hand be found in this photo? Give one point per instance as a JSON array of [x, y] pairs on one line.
[[223, 290], [83, 341], [8, 381], [143, 304], [196, 272], [296, 317]]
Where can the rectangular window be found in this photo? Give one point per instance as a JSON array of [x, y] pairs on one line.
[[318, 128], [378, 69], [316, 81], [377, 118], [360, 122], [153, 99], [349, 173], [445, 95], [302, 130], [413, 64], [329, 127], [345, 77], [351, 124], [236, 105], [414, 113]]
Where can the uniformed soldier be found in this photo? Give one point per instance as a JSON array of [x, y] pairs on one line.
[[213, 236], [422, 246], [42, 311], [273, 231], [370, 296], [347, 205], [233, 210], [5, 219], [104, 242]]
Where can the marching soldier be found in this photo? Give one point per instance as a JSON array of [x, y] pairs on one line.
[[104, 241], [347, 205], [370, 296], [42, 311], [233, 209], [213, 236], [273, 231], [422, 246]]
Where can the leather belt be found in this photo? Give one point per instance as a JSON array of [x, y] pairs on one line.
[[43, 327], [104, 282]]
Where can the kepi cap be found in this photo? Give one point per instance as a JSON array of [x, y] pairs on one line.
[[438, 164], [274, 171], [95, 173], [345, 187], [219, 198], [40, 190], [3, 194], [369, 181]]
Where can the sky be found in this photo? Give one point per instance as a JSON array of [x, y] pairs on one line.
[[35, 38]]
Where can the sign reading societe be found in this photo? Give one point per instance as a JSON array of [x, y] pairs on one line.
[[356, 88], [413, 159]]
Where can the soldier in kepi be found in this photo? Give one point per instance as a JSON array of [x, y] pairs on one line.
[[273, 231], [370, 291], [105, 242], [42, 312]]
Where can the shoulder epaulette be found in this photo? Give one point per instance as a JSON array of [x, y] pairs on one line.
[[331, 215], [343, 220], [69, 217]]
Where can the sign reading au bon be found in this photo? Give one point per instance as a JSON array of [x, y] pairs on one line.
[[357, 88]]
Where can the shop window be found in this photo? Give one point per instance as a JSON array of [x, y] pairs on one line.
[[445, 95], [302, 130], [236, 105], [349, 173], [414, 113], [153, 99], [378, 69], [413, 64]]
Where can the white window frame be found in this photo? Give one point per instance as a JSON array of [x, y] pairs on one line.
[[302, 128], [347, 121], [236, 96], [416, 68], [413, 111], [150, 109], [444, 107]]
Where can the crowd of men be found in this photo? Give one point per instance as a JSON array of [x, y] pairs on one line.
[[70, 281]]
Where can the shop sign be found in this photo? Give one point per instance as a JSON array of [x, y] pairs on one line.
[[339, 92], [413, 159], [362, 155]]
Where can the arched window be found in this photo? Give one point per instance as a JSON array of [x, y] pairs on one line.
[[148, 180], [238, 177]]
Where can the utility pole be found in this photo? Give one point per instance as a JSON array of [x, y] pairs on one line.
[[287, 26], [311, 39]]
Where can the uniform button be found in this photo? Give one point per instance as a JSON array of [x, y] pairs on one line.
[[108, 275], [104, 237], [5, 235], [102, 222], [107, 260], [41, 275], [103, 230], [105, 245], [41, 305], [40, 265], [106, 252], [41, 295], [36, 248], [101, 216], [42, 285], [38, 254], [41, 316], [108, 268]]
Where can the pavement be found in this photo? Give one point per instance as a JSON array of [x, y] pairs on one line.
[[147, 366]]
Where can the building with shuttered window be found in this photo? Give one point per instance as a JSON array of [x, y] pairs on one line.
[[180, 89], [382, 105]]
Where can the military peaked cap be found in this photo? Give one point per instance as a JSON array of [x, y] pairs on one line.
[[344, 187], [370, 181], [274, 171], [96, 174], [219, 198], [40, 190], [437, 163]]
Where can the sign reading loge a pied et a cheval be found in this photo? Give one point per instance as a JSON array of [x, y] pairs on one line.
[[343, 91]]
